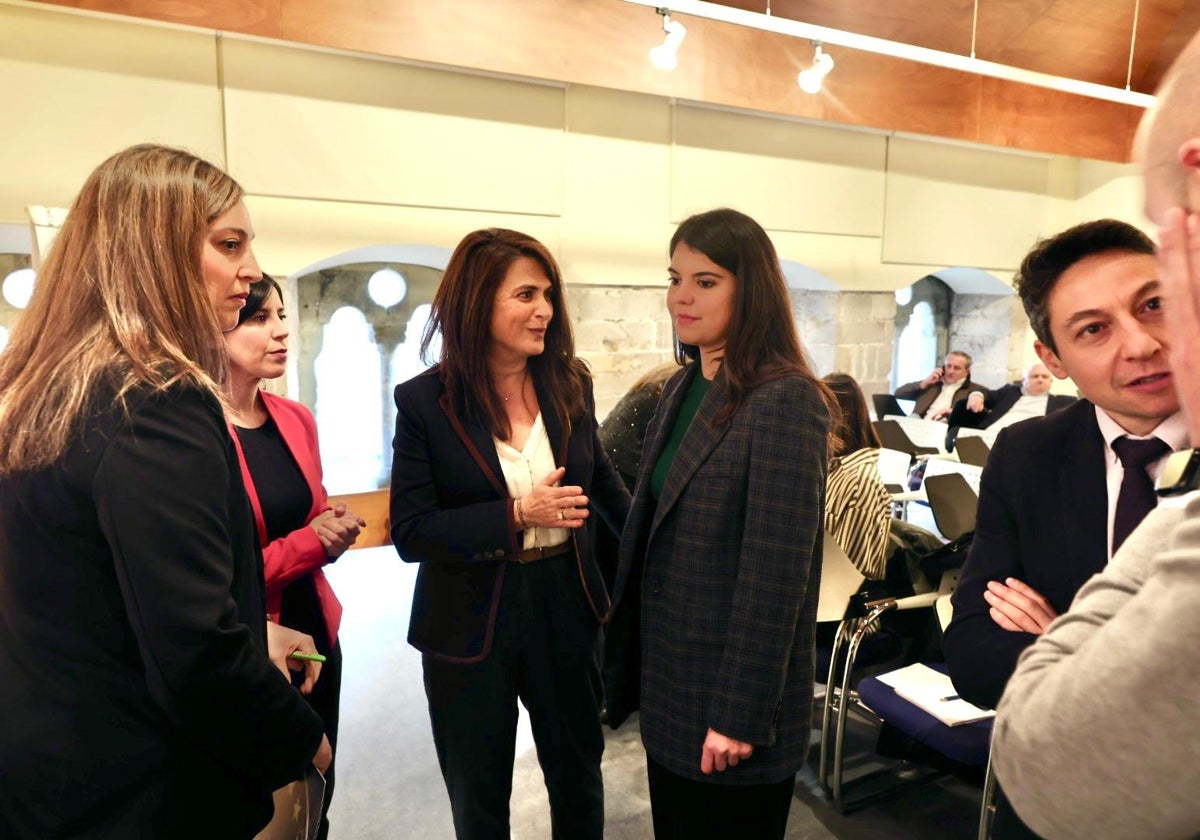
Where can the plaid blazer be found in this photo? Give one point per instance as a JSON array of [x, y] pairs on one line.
[[720, 581]]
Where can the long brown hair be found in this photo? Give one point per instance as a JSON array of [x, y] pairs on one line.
[[462, 314], [120, 300], [762, 344], [854, 428]]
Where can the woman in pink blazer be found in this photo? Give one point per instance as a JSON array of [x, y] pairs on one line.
[[276, 441]]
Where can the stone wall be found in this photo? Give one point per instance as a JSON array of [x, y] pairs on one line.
[[983, 325], [621, 332], [816, 315], [866, 331]]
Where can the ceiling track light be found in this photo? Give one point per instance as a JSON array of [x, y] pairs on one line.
[[664, 55], [811, 79], [895, 49]]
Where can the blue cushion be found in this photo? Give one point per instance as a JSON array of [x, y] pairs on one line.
[[966, 744]]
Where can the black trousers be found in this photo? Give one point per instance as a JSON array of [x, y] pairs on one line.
[[545, 651], [684, 809]]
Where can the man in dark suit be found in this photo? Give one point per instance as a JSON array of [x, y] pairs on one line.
[[944, 388], [1057, 497], [1011, 403]]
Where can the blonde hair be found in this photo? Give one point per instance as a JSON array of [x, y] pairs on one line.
[[120, 301]]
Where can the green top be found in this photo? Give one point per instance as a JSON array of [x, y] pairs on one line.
[[687, 412]]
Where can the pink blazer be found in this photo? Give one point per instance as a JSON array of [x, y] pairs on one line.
[[300, 553]]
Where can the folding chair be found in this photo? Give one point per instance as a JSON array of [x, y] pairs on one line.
[[893, 436], [967, 746], [972, 450], [887, 404], [840, 698], [840, 582], [953, 503]]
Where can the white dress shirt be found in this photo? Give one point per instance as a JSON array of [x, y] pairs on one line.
[[1172, 431]]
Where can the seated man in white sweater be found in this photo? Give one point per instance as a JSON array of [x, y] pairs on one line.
[[1012, 403], [943, 388]]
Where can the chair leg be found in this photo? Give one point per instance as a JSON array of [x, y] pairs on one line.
[[987, 807], [832, 702]]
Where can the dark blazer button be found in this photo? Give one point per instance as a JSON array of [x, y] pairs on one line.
[[655, 586]]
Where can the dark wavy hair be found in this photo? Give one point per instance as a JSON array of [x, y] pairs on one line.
[[762, 344], [1050, 258], [462, 314], [260, 290]]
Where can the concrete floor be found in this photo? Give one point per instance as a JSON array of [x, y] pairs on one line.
[[388, 781]]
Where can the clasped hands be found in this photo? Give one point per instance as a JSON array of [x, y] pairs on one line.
[[337, 528], [549, 506]]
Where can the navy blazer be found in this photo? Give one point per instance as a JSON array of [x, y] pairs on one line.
[[996, 404], [451, 512], [721, 578], [1043, 519]]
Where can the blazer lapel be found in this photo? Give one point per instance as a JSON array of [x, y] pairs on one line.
[[555, 430], [697, 444], [479, 443], [1083, 490]]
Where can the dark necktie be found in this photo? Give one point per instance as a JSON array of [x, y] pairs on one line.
[[1136, 498]]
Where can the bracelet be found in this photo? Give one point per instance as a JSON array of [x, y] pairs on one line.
[[520, 513]]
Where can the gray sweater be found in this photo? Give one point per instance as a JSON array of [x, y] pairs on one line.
[[1095, 736]]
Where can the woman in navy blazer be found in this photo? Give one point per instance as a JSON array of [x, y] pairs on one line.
[[276, 442], [496, 471], [721, 557], [137, 695]]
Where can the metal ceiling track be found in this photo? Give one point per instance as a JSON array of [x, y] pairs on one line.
[[895, 49]]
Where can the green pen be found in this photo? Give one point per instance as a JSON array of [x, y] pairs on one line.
[[311, 657]]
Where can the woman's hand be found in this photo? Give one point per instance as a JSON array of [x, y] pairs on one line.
[[549, 506], [281, 643], [337, 529], [720, 752], [324, 755]]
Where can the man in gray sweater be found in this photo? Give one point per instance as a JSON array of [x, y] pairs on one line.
[[1095, 733]]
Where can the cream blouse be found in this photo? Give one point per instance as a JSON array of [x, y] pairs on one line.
[[525, 467]]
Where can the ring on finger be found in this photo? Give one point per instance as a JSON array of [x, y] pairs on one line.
[[561, 514]]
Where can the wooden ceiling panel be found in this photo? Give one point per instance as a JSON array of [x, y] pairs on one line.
[[253, 17], [604, 43], [1078, 39], [935, 24], [1097, 129]]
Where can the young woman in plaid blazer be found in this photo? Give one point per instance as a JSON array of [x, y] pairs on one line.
[[721, 556]]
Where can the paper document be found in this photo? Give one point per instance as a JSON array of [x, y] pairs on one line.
[[933, 692]]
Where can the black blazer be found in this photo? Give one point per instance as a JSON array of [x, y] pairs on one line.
[[721, 577], [451, 512], [137, 697], [1043, 519], [996, 404]]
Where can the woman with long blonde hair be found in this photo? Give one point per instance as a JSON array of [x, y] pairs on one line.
[[138, 697]]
